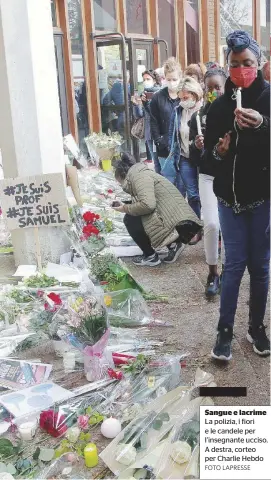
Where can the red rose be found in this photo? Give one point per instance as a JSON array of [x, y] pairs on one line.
[[53, 423], [89, 217], [55, 298], [89, 230], [97, 217], [0, 211], [57, 302], [110, 191]]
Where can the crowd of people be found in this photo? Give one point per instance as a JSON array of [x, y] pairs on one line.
[[209, 134]]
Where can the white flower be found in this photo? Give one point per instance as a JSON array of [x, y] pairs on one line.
[[181, 452], [125, 454]]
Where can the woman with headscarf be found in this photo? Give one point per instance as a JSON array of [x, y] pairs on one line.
[[237, 145], [214, 82]]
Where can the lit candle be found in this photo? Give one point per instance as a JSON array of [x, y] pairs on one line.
[[198, 125], [239, 98], [91, 455], [27, 430]]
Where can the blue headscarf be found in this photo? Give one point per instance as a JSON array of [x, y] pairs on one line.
[[239, 40]]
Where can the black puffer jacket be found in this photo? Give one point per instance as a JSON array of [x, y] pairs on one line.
[[161, 109], [242, 177]]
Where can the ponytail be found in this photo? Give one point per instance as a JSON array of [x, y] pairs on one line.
[[123, 165]]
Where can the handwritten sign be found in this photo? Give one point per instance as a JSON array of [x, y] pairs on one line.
[[37, 201]]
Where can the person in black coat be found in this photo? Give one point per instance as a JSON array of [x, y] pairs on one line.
[[214, 86], [161, 108], [237, 148]]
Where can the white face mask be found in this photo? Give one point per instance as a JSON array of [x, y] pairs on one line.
[[148, 84], [187, 104], [173, 85]]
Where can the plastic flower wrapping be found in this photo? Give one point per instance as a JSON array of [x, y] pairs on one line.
[[146, 430], [145, 379]]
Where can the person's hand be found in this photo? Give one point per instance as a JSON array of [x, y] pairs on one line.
[[248, 118], [199, 142], [136, 100], [143, 97], [119, 208], [223, 145]]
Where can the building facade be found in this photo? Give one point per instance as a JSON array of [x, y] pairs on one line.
[[99, 41]]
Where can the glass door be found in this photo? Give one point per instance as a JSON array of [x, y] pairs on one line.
[[111, 86], [58, 41], [116, 115]]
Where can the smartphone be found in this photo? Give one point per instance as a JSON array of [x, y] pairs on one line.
[[116, 204], [149, 95]]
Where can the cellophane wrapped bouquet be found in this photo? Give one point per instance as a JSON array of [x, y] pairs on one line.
[[89, 332]]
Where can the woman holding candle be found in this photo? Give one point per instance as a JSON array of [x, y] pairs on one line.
[[179, 168], [237, 147], [214, 81]]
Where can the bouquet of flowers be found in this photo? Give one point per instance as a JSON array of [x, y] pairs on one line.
[[105, 146], [88, 324], [112, 273]]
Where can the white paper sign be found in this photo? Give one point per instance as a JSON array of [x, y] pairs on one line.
[[103, 79], [36, 201], [115, 67]]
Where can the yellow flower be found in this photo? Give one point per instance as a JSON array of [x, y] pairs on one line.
[[107, 300]]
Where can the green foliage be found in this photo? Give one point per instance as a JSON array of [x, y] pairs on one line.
[[136, 366]]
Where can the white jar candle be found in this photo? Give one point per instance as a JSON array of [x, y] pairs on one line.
[[28, 430]]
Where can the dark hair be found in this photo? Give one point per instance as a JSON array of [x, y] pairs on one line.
[[213, 72], [153, 74], [123, 165]]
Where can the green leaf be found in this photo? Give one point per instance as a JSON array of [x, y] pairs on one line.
[[89, 411], [46, 454], [36, 454], [6, 447], [157, 424]]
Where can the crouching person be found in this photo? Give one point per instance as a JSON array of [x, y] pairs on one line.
[[158, 216]]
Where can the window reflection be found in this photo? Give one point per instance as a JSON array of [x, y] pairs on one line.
[[78, 66], [192, 31], [234, 16], [136, 12], [167, 28], [265, 28], [53, 13], [105, 15]]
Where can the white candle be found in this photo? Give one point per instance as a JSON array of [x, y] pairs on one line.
[[198, 125], [27, 430], [239, 98], [69, 362], [110, 428]]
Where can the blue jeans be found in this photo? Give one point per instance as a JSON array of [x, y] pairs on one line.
[[186, 180], [247, 244], [154, 156], [168, 171]]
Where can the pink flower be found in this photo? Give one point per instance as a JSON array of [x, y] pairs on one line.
[[110, 191], [82, 422]]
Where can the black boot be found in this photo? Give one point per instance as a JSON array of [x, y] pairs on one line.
[[222, 348], [261, 343]]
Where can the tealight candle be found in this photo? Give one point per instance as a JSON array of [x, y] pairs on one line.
[[110, 428], [91, 455], [198, 125], [239, 98], [27, 430]]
